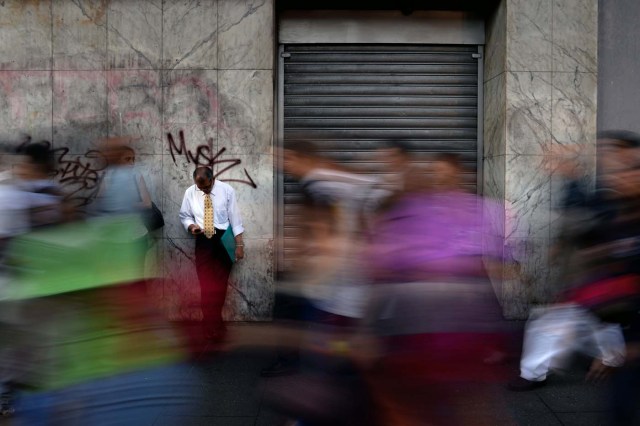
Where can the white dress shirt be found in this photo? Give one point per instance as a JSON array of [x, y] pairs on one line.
[[225, 208]]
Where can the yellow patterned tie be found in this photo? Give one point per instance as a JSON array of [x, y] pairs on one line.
[[209, 228]]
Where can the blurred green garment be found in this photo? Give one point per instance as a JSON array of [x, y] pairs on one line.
[[83, 304], [76, 256]]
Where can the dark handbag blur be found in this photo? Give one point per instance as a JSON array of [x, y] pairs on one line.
[[153, 218]]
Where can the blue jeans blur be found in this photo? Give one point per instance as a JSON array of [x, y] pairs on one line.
[[140, 398]]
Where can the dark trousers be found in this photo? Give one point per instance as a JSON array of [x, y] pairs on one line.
[[213, 266]]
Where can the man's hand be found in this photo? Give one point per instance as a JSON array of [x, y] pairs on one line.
[[239, 252], [195, 229], [598, 371]]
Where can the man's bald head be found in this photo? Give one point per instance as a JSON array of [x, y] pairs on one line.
[[203, 172], [203, 178]]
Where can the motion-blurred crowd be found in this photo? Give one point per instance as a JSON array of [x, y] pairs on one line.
[[388, 315]]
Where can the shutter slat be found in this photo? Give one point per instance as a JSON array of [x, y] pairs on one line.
[[381, 101]]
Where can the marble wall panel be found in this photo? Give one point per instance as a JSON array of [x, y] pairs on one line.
[[191, 97], [80, 35], [496, 42], [493, 228], [252, 180], [529, 34], [250, 295], [527, 197], [150, 167], [176, 178], [25, 35], [135, 108], [528, 117], [79, 110], [191, 104], [246, 111], [574, 109], [575, 35], [494, 179], [25, 105], [245, 34], [154, 271], [190, 34], [494, 143], [181, 288], [530, 285], [135, 34]]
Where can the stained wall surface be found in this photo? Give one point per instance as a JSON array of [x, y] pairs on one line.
[[541, 70], [73, 72]]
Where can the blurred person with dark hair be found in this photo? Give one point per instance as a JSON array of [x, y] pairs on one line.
[[34, 170], [447, 169], [29, 200], [13, 203], [396, 156], [602, 230], [209, 210], [14, 220]]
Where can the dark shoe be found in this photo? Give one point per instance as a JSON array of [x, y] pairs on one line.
[[524, 385], [279, 369]]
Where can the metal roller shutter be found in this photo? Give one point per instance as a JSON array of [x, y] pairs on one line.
[[350, 99]]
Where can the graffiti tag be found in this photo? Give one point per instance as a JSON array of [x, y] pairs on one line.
[[80, 175], [203, 156]]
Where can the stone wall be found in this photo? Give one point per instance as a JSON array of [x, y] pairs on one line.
[[540, 91], [202, 71], [73, 72]]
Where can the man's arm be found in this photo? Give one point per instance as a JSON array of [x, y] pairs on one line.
[[235, 221]]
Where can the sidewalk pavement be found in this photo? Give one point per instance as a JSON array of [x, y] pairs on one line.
[[234, 393]]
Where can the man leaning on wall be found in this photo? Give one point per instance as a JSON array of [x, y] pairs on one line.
[[209, 210]]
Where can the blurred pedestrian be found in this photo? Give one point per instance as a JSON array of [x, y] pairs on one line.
[[123, 189], [328, 276], [434, 309], [29, 200], [34, 171], [603, 280]]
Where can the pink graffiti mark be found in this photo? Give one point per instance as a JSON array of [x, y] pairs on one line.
[[80, 176], [203, 157]]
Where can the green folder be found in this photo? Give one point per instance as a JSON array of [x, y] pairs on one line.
[[229, 243]]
